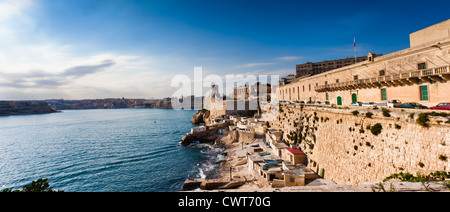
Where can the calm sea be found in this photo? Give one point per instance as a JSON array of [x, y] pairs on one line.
[[120, 150]]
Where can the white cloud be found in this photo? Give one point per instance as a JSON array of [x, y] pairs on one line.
[[12, 17], [37, 67], [251, 65], [290, 58], [12, 8]]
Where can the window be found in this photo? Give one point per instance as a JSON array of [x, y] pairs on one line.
[[383, 94], [337, 80], [382, 73], [355, 77], [422, 66], [292, 180], [309, 87], [303, 88], [424, 93], [326, 95]]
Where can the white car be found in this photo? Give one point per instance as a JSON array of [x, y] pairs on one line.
[[369, 104], [390, 104], [394, 103], [356, 104]]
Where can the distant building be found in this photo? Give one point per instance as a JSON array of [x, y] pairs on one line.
[[252, 92], [310, 69], [286, 80]]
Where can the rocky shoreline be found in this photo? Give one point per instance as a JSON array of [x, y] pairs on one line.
[[232, 172]]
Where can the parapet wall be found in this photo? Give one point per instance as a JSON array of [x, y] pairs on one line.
[[340, 145]]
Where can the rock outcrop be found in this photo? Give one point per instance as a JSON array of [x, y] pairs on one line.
[[202, 116], [207, 136]]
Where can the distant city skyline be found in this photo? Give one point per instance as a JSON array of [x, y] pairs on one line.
[[85, 49]]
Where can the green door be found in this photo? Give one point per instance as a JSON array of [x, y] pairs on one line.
[[383, 94], [339, 100], [424, 93], [354, 98], [310, 99]]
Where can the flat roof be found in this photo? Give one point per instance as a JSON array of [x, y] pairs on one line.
[[280, 145], [294, 151]]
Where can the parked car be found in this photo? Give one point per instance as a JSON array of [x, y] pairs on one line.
[[326, 103], [369, 104], [393, 103], [302, 102], [317, 102], [441, 106], [413, 105], [356, 104], [390, 104], [310, 102]]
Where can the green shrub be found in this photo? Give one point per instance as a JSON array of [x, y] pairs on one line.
[[355, 112], [369, 115], [398, 127], [423, 120], [407, 177], [376, 129], [386, 112]]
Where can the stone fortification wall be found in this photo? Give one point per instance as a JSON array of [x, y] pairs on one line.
[[342, 147]]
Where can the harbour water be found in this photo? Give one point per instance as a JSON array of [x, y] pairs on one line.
[[123, 150]]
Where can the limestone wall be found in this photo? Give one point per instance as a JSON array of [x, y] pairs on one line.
[[340, 143]]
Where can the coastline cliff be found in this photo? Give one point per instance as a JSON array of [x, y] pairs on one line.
[[9, 108]]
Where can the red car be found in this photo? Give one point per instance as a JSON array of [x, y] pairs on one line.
[[441, 106]]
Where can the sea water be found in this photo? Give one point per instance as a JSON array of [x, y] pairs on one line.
[[122, 150]]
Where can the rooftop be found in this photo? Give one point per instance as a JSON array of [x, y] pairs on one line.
[[294, 151]]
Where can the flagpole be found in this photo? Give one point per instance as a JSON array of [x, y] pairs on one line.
[[354, 47]]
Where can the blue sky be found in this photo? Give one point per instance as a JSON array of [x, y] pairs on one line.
[[76, 49]]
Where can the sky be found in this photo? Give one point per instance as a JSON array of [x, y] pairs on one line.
[[88, 49]]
